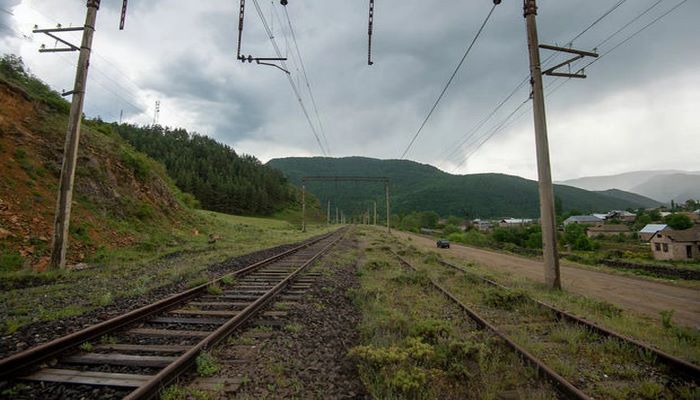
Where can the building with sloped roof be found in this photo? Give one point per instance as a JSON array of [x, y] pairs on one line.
[[583, 219], [670, 244], [649, 230], [607, 230]]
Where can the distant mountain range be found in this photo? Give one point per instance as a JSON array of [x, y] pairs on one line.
[[664, 185], [421, 187]]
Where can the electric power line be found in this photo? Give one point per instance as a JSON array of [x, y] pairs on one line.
[[594, 23], [592, 62], [289, 78], [449, 81], [473, 131], [657, 19], [306, 78]]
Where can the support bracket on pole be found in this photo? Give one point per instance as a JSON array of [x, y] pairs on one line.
[[250, 58], [553, 71], [51, 32]]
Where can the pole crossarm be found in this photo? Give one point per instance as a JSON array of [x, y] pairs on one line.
[[579, 55], [249, 58], [50, 33]]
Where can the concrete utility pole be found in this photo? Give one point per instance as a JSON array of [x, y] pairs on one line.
[[547, 213], [59, 246], [303, 208], [375, 212], [388, 209], [328, 217], [337, 220]]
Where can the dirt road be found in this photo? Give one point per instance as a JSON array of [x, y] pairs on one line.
[[639, 295]]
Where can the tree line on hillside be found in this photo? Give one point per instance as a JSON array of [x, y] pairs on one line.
[[214, 173]]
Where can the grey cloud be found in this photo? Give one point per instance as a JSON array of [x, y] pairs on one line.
[[185, 54]]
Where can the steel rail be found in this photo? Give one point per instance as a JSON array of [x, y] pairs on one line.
[[564, 386], [10, 366], [154, 385], [681, 366]]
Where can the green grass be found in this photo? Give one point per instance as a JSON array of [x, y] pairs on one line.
[[206, 365], [416, 345], [174, 257], [572, 351], [660, 332]]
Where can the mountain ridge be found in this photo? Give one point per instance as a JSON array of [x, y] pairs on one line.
[[661, 185], [423, 187]]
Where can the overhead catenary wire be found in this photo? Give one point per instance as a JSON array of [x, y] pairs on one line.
[[594, 23], [306, 79], [449, 82], [289, 77]]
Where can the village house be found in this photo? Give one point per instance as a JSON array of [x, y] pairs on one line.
[[670, 244], [624, 216], [514, 222], [649, 230], [583, 220], [607, 230], [482, 225]]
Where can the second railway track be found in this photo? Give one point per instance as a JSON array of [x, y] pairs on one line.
[[582, 359], [137, 354]]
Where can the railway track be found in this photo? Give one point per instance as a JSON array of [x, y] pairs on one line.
[[137, 354], [599, 363]]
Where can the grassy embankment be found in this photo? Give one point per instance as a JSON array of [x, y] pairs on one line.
[[179, 256]]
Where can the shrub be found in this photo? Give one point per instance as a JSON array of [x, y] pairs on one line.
[[504, 299], [206, 365], [10, 261], [678, 221], [136, 162]]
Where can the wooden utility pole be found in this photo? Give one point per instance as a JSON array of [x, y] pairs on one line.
[[59, 245], [547, 213], [303, 208]]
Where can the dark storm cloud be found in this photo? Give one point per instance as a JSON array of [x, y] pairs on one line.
[[184, 54]]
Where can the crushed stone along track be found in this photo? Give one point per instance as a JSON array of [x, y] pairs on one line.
[[135, 355], [582, 359]]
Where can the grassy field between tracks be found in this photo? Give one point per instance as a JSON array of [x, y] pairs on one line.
[[417, 345], [602, 367], [662, 332], [28, 297], [677, 340]]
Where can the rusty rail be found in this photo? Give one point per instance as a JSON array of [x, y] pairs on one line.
[[564, 386], [185, 361], [15, 363], [680, 366]]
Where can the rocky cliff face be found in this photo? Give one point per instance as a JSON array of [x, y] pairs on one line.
[[118, 191]]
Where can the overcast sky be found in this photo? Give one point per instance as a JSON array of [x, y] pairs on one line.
[[638, 109]]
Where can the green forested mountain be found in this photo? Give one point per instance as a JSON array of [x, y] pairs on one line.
[[214, 173], [420, 187]]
